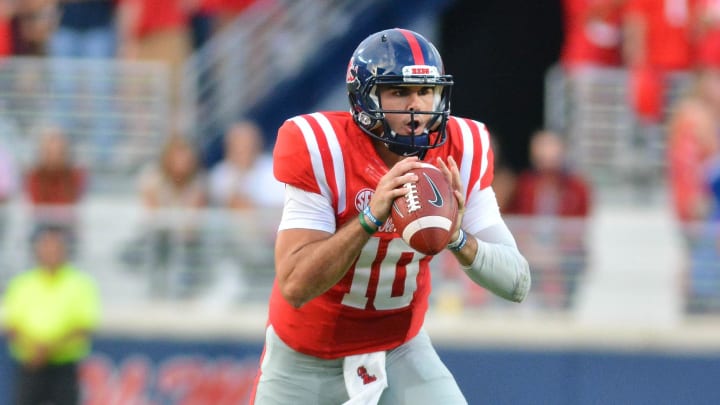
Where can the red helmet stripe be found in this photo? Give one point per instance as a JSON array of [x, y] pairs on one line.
[[414, 47]]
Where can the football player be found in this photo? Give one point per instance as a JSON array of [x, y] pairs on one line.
[[347, 307]]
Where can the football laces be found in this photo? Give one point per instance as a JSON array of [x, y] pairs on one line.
[[412, 197]]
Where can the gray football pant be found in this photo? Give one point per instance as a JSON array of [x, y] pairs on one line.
[[416, 376]]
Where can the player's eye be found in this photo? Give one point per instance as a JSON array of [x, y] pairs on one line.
[[399, 92], [424, 91]]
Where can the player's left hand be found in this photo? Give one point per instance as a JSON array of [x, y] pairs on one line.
[[452, 173]]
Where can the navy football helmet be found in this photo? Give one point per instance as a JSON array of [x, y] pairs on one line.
[[397, 57]]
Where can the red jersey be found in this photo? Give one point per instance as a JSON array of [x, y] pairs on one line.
[[381, 302], [592, 33], [667, 39], [5, 35], [708, 41], [159, 15], [687, 157]]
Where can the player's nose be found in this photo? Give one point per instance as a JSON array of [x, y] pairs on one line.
[[414, 101]]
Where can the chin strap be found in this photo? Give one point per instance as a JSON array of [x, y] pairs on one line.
[[406, 151]]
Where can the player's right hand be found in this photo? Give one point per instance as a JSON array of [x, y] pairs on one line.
[[390, 186]]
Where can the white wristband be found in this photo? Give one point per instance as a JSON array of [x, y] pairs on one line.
[[459, 243]]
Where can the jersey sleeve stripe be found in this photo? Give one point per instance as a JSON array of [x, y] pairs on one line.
[[315, 156], [485, 146], [337, 159], [467, 159]]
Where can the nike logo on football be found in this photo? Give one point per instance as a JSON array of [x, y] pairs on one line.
[[438, 201]]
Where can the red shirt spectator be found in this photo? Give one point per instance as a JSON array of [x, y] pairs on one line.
[[549, 189], [150, 16], [157, 30], [707, 31], [54, 184], [657, 39], [659, 33], [5, 29], [234, 6], [592, 33], [554, 244], [686, 173], [562, 194], [693, 143]]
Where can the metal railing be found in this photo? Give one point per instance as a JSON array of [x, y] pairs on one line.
[[205, 254], [607, 142], [266, 44], [114, 112], [619, 258]]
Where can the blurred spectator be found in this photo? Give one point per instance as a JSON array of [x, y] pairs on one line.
[[54, 183], [33, 23], [592, 34], [657, 40], [229, 10], [555, 203], [203, 22], [244, 178], [6, 37], [8, 187], [706, 24], [50, 312], [243, 182], [157, 30], [86, 30], [694, 173], [173, 194], [550, 187], [504, 177], [693, 146]]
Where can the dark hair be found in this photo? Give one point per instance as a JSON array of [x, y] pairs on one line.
[[45, 229]]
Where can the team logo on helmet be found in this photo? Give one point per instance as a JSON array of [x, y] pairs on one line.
[[352, 73]]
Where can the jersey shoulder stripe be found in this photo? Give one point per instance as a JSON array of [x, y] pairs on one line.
[[476, 164], [318, 162], [337, 173]]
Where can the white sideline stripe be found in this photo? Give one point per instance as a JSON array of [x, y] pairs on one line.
[[337, 158], [431, 221]]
